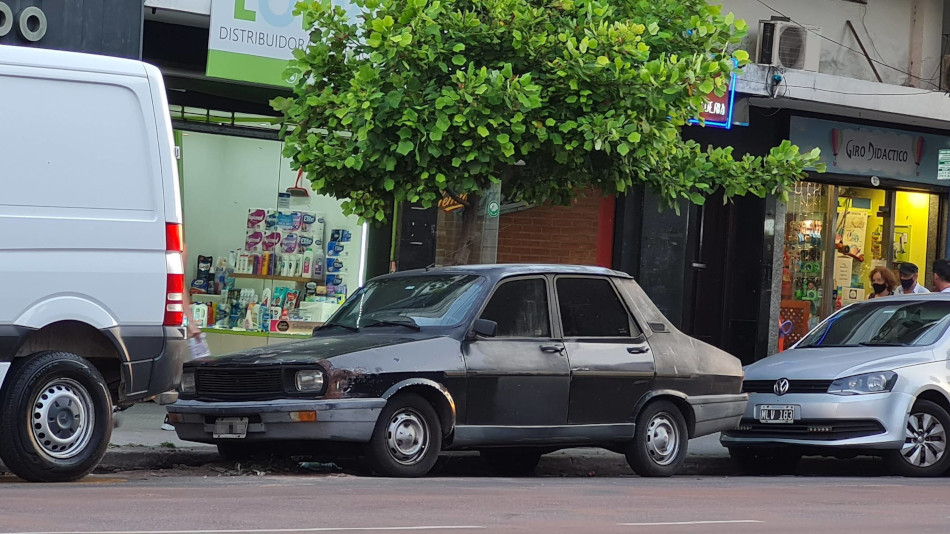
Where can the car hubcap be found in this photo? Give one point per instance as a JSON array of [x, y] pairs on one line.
[[925, 440], [662, 439], [407, 436], [62, 418]]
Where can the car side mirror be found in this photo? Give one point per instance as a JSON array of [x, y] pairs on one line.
[[484, 328]]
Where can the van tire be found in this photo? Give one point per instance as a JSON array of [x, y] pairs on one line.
[[77, 395]]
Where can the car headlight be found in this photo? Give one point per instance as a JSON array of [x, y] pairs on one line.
[[309, 380], [880, 382], [188, 383]]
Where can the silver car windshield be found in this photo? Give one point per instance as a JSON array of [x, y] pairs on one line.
[[887, 322], [410, 301]]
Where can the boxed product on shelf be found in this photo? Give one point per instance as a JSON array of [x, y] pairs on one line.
[[289, 221], [272, 239], [289, 242], [256, 218], [337, 249], [309, 240], [341, 235], [312, 222], [336, 265], [253, 240]]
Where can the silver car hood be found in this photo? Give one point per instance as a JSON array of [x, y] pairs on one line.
[[835, 362]]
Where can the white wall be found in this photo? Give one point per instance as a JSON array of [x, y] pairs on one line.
[[888, 37], [225, 176]]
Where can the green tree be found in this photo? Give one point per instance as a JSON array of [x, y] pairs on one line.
[[417, 98]]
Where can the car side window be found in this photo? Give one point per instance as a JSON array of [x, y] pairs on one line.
[[590, 308], [520, 307]]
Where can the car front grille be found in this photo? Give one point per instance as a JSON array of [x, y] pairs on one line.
[[794, 386], [239, 383], [812, 429]]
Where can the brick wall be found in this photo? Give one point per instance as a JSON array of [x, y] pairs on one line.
[[545, 234], [551, 234]]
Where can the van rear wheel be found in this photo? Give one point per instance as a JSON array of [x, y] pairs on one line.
[[55, 418]]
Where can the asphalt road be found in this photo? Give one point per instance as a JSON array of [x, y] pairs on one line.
[[145, 503]]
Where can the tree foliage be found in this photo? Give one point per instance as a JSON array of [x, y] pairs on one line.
[[417, 97]]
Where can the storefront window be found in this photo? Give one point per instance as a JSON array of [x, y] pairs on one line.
[[267, 261], [824, 271], [859, 242], [804, 260]]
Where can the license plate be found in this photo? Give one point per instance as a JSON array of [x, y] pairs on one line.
[[230, 427], [776, 413]]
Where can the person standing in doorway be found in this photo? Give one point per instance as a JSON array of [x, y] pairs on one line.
[[883, 282], [909, 273], [942, 275]]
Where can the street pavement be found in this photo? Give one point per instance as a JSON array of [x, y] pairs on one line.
[[146, 503]]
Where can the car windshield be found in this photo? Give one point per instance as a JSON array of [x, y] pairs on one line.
[[411, 301], [887, 323]]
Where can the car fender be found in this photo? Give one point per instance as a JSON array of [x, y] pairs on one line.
[[428, 383], [679, 398], [66, 308]]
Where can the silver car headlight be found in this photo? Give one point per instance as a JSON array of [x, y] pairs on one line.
[[880, 382], [309, 380], [187, 383]]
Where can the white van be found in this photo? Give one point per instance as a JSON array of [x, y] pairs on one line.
[[90, 255]]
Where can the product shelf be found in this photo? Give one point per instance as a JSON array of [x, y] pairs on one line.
[[299, 280]]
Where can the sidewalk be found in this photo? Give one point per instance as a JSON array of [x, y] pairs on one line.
[[139, 443]]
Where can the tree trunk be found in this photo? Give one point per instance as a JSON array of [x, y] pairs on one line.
[[469, 235]]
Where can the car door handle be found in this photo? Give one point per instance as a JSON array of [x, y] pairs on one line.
[[551, 348], [638, 350]]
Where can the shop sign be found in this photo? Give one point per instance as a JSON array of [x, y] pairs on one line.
[[253, 40], [865, 150], [717, 110], [943, 164]]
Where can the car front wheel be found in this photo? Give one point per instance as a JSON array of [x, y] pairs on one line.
[[407, 439], [924, 453], [55, 418], [659, 442]]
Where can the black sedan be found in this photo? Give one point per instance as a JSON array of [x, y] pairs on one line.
[[514, 361]]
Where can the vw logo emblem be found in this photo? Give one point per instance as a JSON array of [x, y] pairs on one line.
[[781, 386]]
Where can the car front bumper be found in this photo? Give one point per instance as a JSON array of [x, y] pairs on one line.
[[873, 421], [278, 420]]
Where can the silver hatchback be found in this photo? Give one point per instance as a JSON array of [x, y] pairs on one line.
[[870, 379]]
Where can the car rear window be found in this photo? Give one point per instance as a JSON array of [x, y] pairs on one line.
[[884, 322]]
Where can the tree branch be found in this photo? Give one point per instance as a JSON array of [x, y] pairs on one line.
[[457, 198]]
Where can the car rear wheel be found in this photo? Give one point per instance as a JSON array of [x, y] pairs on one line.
[[659, 442], [753, 461], [511, 462], [407, 439], [924, 453], [55, 418]]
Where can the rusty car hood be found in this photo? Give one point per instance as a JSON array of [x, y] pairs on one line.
[[311, 350]]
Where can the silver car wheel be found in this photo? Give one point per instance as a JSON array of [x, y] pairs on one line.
[[663, 441], [925, 440], [407, 436], [62, 418]]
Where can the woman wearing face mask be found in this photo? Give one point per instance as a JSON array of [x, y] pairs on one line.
[[883, 281]]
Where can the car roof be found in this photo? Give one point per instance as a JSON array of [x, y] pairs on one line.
[[923, 297], [24, 56], [502, 270]]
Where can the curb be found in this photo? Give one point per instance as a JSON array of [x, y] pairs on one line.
[[560, 464]]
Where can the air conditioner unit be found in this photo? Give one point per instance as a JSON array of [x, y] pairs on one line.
[[788, 45]]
